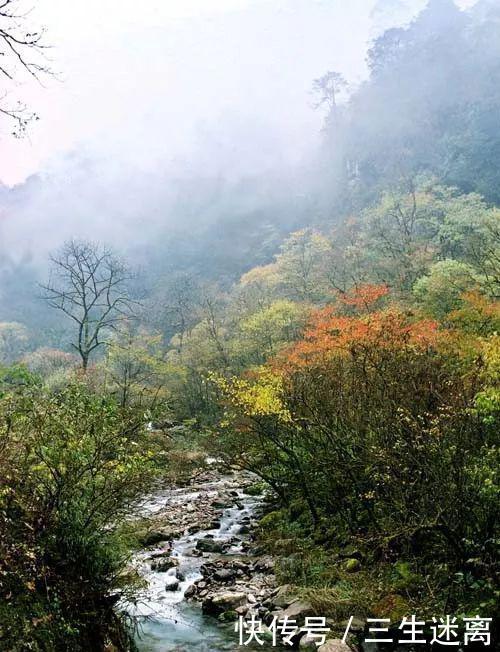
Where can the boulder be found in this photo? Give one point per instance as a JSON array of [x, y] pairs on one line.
[[222, 503], [153, 537], [190, 591], [217, 604], [298, 610], [224, 575], [308, 642], [162, 565], [210, 545], [240, 565], [172, 583], [283, 597], [164, 553], [264, 565]]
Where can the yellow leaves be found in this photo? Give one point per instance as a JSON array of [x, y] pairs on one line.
[[300, 269], [260, 397], [263, 275], [479, 314], [491, 355], [487, 402]]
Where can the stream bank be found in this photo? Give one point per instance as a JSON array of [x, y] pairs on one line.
[[198, 562], [203, 570]]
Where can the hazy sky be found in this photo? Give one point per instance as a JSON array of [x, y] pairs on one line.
[[143, 82]]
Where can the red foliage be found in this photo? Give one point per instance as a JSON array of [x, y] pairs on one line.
[[329, 334], [364, 296]]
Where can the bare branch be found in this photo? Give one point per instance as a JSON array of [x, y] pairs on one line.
[[88, 284], [21, 51]]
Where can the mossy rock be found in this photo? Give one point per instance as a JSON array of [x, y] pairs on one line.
[[405, 578], [228, 617], [352, 565]]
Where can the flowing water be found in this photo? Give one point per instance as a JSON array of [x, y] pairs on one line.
[[167, 622]]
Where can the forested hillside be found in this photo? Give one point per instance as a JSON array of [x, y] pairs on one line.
[[333, 329]]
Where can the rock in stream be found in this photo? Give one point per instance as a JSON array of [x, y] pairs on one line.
[[198, 565]]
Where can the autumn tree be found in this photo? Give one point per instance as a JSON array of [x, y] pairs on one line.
[[441, 290], [88, 283], [366, 418], [299, 270], [262, 333]]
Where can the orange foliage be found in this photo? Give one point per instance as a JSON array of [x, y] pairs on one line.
[[479, 313], [329, 334], [365, 296]]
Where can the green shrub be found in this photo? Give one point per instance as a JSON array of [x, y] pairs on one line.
[[73, 463]]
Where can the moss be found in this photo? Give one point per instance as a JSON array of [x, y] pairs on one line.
[[255, 489], [352, 565], [392, 606], [228, 616], [271, 520]]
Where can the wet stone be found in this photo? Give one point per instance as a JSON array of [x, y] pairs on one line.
[[224, 575], [209, 545], [172, 583], [163, 565]]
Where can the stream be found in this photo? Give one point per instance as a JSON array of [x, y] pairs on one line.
[[166, 620]]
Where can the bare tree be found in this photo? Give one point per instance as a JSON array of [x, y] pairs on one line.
[[88, 284], [21, 51], [179, 305]]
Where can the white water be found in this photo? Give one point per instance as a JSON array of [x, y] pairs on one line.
[[167, 622]]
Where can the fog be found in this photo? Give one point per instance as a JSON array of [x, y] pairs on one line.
[[147, 94], [164, 119]]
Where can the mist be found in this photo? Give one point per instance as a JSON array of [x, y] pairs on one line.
[[145, 100], [164, 126]]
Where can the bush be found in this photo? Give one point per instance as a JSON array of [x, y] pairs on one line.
[[378, 431], [72, 463]]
